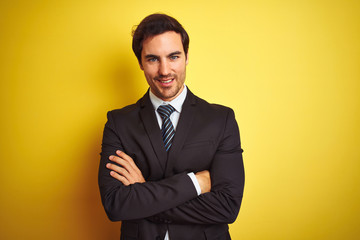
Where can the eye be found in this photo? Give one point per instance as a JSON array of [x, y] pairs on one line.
[[174, 57], [152, 59]]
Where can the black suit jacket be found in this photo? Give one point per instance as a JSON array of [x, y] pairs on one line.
[[207, 138]]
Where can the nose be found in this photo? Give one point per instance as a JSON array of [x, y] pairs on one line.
[[164, 68]]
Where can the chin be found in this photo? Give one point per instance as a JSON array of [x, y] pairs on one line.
[[168, 96]]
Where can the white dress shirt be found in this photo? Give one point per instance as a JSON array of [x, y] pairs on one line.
[[177, 103]]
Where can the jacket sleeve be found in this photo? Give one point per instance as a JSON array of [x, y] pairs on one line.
[[145, 199], [222, 204]]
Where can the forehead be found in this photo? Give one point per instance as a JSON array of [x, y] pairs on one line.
[[161, 44]]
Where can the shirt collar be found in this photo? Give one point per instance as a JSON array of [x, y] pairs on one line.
[[176, 103]]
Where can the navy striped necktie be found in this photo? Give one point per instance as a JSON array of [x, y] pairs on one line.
[[167, 128]]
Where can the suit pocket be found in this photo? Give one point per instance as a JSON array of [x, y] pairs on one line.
[[129, 230], [199, 144], [195, 156]]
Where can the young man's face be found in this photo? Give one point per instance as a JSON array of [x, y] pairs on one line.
[[163, 61]]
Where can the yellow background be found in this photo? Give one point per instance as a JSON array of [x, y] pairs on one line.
[[289, 69]]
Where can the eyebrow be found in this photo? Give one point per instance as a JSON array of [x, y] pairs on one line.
[[155, 56], [174, 53], [151, 56]]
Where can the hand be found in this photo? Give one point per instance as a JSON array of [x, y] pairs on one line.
[[204, 180], [129, 173]]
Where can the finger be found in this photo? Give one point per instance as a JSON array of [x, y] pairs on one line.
[[121, 171], [122, 162], [120, 178], [129, 160], [125, 157], [128, 163]]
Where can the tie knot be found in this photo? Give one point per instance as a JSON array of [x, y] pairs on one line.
[[165, 110]]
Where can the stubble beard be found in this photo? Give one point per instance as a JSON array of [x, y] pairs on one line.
[[166, 93]]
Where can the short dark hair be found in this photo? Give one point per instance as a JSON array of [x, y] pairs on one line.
[[156, 24]]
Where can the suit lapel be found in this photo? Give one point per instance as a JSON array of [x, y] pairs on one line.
[[148, 118], [186, 117]]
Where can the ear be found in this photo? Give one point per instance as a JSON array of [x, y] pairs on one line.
[[187, 58]]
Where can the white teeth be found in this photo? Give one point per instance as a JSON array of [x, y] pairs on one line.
[[166, 81]]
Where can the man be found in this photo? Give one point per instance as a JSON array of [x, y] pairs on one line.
[[171, 164]]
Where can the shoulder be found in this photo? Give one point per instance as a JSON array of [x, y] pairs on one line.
[[130, 110], [211, 108], [127, 114]]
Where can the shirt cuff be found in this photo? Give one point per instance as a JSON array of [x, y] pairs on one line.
[[195, 182]]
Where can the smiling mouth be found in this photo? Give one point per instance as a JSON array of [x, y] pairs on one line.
[[166, 81]]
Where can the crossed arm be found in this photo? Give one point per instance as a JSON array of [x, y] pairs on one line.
[[129, 173], [126, 195]]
